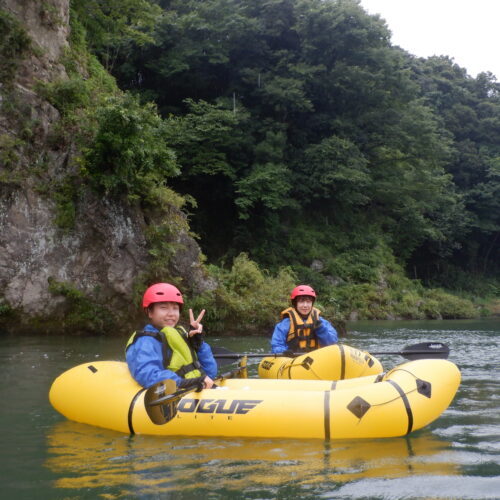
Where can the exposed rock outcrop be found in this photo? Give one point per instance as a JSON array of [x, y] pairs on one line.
[[80, 279]]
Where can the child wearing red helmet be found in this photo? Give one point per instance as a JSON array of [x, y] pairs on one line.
[[301, 328], [165, 350]]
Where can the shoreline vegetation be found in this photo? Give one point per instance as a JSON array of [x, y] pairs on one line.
[[296, 143], [245, 288]]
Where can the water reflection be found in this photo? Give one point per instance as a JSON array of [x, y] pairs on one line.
[[108, 463]]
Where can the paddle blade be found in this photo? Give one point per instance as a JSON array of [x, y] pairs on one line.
[[426, 350], [159, 407]]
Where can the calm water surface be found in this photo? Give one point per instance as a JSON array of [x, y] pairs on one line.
[[44, 456]]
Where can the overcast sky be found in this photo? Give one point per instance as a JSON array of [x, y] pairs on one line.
[[467, 30]]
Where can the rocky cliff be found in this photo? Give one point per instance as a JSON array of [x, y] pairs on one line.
[[57, 279]]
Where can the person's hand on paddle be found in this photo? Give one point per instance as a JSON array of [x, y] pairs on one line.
[[196, 326], [208, 383], [198, 383]]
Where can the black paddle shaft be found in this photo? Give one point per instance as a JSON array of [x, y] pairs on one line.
[[424, 350]]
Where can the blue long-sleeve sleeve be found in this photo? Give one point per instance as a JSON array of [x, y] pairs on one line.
[[145, 362], [207, 360], [280, 333], [326, 333]]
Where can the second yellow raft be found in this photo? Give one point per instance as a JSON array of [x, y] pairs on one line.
[[334, 362]]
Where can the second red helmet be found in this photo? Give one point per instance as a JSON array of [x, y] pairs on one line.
[[161, 292], [303, 290]]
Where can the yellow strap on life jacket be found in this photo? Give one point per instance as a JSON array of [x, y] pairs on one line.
[[301, 332], [130, 341]]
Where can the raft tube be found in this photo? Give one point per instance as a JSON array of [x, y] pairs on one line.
[[405, 399], [334, 362]]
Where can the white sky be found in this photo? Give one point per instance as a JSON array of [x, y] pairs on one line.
[[466, 30]]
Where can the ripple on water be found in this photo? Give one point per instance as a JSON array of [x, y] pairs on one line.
[[428, 487], [458, 456], [468, 431]]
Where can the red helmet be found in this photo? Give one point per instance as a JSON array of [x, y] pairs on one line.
[[303, 290], [161, 292]]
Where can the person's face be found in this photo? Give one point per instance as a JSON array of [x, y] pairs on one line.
[[164, 314], [304, 305]]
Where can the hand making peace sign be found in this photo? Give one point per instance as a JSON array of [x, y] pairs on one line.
[[197, 327]]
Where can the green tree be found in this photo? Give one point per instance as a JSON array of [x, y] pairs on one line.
[[470, 110], [304, 135], [115, 26], [129, 153]]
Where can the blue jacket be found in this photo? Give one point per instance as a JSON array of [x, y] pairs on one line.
[[145, 361], [326, 333]]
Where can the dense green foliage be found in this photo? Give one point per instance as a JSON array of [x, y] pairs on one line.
[[116, 25], [285, 109], [470, 112], [246, 297], [84, 313], [307, 140], [129, 153], [14, 44]]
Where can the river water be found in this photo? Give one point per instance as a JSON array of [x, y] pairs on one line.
[[44, 456]]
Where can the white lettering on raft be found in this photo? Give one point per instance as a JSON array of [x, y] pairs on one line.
[[236, 406]]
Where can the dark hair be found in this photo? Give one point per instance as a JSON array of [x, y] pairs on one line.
[[152, 306]]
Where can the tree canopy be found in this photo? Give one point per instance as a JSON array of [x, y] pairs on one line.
[[304, 134]]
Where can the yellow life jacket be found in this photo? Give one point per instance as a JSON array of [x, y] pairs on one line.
[[178, 355], [301, 335]]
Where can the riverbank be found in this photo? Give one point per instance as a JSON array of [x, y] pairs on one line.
[[250, 296], [493, 306]]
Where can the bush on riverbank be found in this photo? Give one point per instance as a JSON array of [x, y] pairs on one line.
[[249, 299]]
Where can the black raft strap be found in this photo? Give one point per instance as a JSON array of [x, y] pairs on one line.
[[326, 414], [406, 402], [131, 410]]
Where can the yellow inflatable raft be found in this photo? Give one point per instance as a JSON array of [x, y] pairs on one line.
[[405, 399], [335, 362]]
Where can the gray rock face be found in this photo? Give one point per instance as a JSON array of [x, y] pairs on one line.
[[47, 24], [102, 257], [106, 249]]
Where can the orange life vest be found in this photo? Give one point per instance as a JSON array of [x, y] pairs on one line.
[[301, 335]]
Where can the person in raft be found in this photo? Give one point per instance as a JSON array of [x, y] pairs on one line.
[[164, 350], [301, 328]]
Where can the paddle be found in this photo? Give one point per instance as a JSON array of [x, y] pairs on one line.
[[424, 350], [163, 390], [161, 399]]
